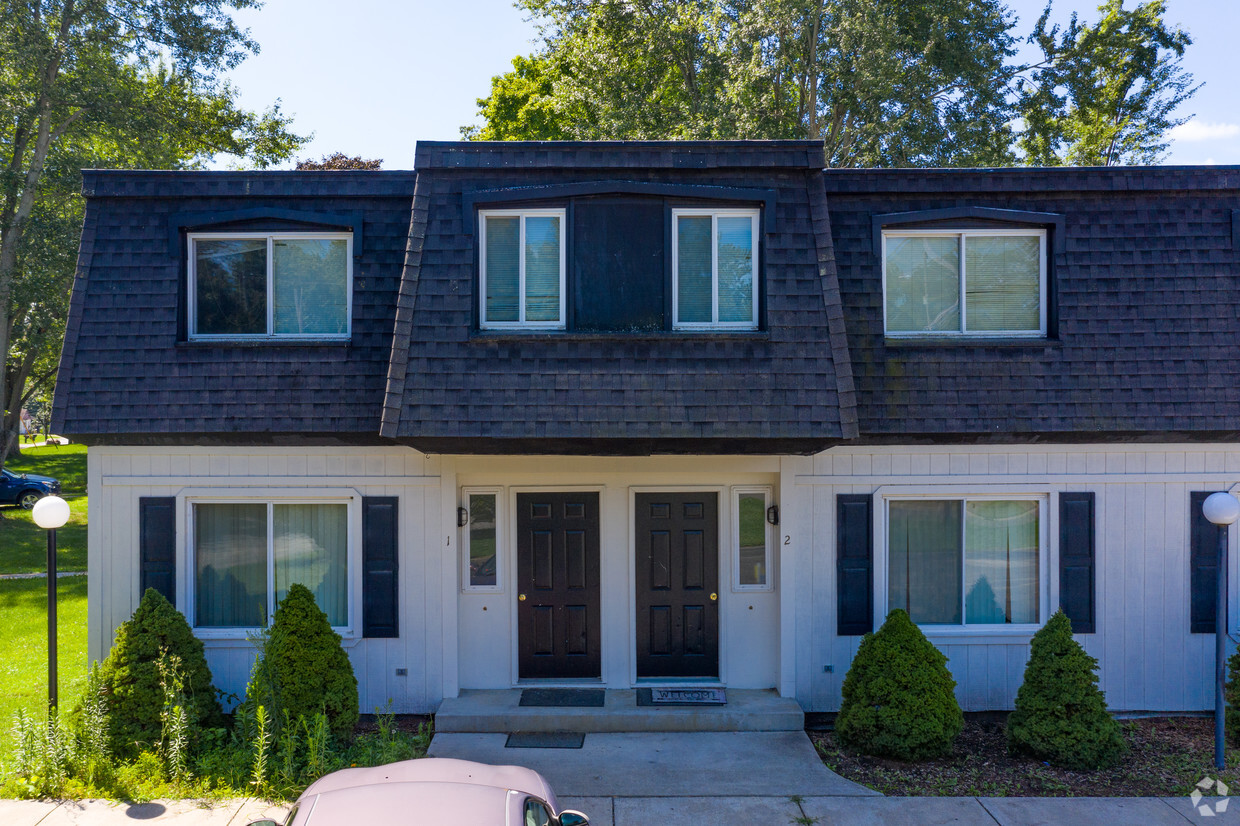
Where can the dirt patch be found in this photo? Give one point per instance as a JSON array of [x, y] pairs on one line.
[[1166, 757]]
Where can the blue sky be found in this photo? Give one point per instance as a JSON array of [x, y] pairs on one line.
[[376, 78]]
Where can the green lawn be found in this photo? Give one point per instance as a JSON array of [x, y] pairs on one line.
[[23, 545], [23, 639]]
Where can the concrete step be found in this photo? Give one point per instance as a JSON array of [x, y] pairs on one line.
[[497, 711]]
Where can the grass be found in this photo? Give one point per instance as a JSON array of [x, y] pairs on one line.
[[23, 639], [23, 544]]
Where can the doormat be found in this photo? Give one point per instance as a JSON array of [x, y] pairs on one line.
[[681, 697], [563, 697], [546, 740]]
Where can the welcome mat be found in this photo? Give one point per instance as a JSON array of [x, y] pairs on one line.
[[563, 697], [681, 697], [545, 740]]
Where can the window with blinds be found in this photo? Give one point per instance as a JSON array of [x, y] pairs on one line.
[[522, 269], [715, 269], [964, 282]]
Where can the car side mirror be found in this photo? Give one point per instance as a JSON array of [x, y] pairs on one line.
[[570, 818]]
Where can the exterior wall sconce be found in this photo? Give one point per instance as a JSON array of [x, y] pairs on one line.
[[462, 517], [772, 514]]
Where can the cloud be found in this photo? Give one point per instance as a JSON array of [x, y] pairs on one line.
[[1197, 130]]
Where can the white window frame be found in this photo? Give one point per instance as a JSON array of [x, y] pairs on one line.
[[270, 334], [352, 559], [883, 558], [963, 235], [500, 534], [714, 215], [520, 324], [770, 534]]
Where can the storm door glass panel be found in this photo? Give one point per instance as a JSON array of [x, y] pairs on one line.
[[693, 269], [482, 568], [503, 268], [735, 269], [1003, 283], [311, 545], [1001, 562], [923, 547], [542, 268], [230, 565], [310, 278], [752, 531], [923, 284], [230, 286]]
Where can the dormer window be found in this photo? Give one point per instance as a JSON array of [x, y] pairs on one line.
[[968, 283], [246, 286], [522, 269], [715, 269]]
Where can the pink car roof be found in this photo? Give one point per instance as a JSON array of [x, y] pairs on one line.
[[396, 802], [436, 770]]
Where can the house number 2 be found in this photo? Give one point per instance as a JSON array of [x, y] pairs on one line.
[[787, 539]]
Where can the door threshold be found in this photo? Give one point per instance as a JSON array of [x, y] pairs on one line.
[[555, 682], [677, 682]]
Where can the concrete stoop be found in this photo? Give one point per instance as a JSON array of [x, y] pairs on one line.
[[499, 711]]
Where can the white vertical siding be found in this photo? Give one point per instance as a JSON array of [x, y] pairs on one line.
[[1148, 659]]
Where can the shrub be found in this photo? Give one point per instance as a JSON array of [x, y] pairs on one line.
[[899, 697], [131, 679], [1231, 692], [302, 669], [1061, 715]]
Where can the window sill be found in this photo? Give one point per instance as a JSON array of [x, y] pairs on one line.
[[908, 343], [483, 336], [230, 639], [265, 342]]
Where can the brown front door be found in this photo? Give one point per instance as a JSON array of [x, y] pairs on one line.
[[677, 583], [558, 585]]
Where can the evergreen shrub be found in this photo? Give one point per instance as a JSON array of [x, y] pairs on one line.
[[1231, 693], [1061, 715], [131, 683], [899, 697], [302, 669]]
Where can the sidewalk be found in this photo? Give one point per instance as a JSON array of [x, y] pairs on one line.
[[695, 811]]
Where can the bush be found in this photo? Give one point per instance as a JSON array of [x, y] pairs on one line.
[[899, 697], [131, 680], [1061, 715], [302, 669]]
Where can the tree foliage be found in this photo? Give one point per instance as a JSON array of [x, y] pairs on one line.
[[880, 82], [338, 161], [101, 83]]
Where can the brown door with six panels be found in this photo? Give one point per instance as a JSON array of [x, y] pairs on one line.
[[558, 585], [677, 584]]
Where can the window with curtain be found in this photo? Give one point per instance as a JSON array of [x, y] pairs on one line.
[[967, 282], [256, 285], [246, 555], [715, 268], [522, 269], [965, 561]]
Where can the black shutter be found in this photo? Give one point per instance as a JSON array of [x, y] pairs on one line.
[[854, 563], [379, 565], [1076, 560], [157, 545], [1203, 566]]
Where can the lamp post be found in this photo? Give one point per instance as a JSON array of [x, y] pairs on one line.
[[50, 513], [1221, 509]]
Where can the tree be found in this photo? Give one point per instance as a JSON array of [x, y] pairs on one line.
[[128, 83], [339, 161], [881, 82], [1105, 94]]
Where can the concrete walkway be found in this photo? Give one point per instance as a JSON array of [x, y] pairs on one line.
[[695, 811]]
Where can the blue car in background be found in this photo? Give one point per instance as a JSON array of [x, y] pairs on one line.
[[25, 488]]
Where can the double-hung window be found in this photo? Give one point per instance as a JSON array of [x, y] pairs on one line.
[[270, 286], [715, 269], [964, 283], [971, 561], [522, 269], [246, 554]]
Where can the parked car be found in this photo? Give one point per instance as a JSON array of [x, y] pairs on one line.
[[428, 791], [25, 488]]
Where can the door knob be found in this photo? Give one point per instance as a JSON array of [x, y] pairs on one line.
[[521, 597], [714, 597]]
